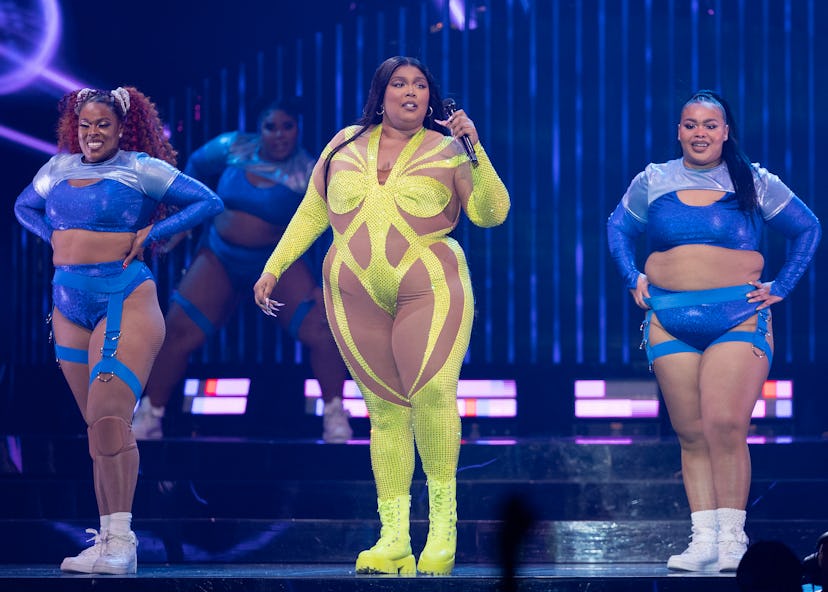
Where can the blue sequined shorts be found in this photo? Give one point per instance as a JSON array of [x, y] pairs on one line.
[[698, 319], [86, 307]]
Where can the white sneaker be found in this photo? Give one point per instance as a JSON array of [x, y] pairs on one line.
[[119, 556], [84, 561], [731, 552], [699, 556], [335, 426], [146, 423]]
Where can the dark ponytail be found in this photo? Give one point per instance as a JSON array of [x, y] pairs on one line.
[[738, 164]]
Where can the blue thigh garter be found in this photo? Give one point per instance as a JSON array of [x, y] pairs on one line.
[[701, 318], [244, 267], [86, 294]]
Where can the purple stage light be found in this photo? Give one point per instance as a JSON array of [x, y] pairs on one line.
[[457, 14], [62, 81], [30, 34], [27, 141]]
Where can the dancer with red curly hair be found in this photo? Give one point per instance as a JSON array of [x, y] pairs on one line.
[[100, 202]]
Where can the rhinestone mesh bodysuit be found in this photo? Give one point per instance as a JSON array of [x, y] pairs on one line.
[[397, 288]]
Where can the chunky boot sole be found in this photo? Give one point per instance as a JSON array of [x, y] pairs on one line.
[[435, 566], [373, 563]]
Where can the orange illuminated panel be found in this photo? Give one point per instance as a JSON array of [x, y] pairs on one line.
[[775, 401], [216, 396]]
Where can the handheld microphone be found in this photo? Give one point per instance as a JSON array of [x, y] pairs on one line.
[[449, 107]]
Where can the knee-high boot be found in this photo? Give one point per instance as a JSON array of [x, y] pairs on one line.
[[392, 553], [437, 557]]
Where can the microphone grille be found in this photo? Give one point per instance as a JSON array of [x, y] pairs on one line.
[[449, 107]]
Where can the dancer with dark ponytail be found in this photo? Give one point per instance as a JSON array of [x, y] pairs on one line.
[[707, 329]]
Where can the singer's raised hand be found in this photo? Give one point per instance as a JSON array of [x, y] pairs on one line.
[[460, 125]]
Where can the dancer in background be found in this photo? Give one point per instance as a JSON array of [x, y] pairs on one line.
[[707, 330], [100, 203], [261, 178], [397, 290]]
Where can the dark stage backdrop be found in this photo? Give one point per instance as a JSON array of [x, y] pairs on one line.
[[571, 100]]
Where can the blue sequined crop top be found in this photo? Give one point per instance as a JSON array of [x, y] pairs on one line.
[[232, 156], [720, 224], [123, 200], [123, 197], [658, 180]]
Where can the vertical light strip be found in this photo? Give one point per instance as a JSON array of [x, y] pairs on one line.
[[206, 112], [260, 75], [811, 185], [401, 31], [742, 52], [445, 50], [578, 191], [534, 219], [423, 28], [339, 90], [601, 185], [488, 337], [765, 60], [789, 143], [300, 68], [188, 120], [223, 100], [648, 79], [242, 98], [380, 30], [359, 73], [555, 167], [694, 44], [509, 259], [319, 59], [280, 72], [718, 15], [624, 148], [466, 58]]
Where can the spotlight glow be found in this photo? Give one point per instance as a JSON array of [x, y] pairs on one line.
[[29, 37]]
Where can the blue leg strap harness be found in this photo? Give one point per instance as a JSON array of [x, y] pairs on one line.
[[199, 318], [109, 365], [760, 345]]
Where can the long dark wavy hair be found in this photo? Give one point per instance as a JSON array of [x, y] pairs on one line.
[[738, 164], [372, 114]]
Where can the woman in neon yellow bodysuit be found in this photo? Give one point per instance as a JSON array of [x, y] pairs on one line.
[[397, 290]]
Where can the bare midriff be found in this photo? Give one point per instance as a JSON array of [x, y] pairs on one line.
[[78, 247], [246, 230], [702, 267]]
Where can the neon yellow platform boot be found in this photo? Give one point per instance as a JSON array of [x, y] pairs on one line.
[[437, 558], [392, 553]]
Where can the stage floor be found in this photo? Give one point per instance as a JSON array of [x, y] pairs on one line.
[[338, 576]]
